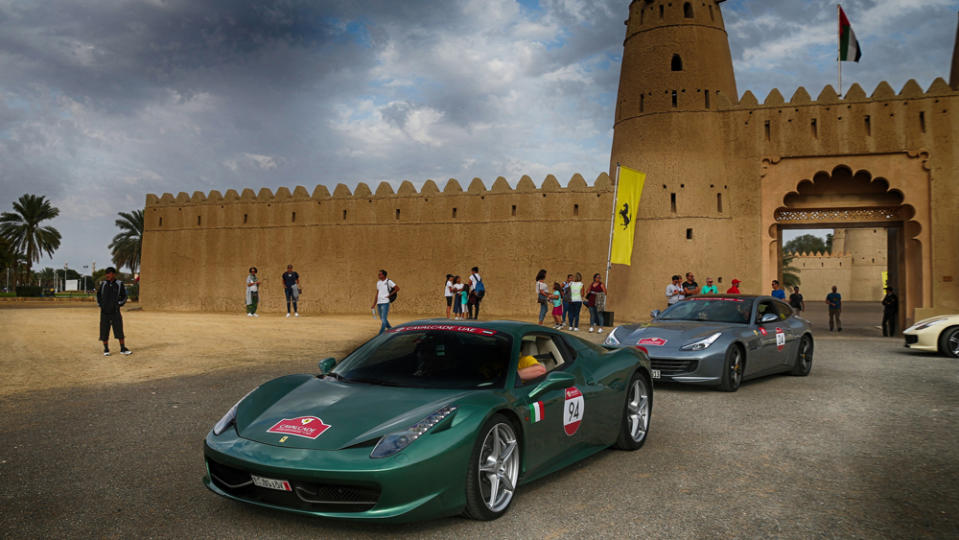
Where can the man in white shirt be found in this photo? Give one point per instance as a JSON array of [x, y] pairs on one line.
[[384, 288], [477, 292], [674, 291]]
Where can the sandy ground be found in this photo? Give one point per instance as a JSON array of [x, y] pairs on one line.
[[53, 347]]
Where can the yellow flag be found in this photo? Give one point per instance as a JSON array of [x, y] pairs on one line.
[[627, 203]]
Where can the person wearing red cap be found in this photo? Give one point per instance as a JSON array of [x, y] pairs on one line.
[[735, 288]]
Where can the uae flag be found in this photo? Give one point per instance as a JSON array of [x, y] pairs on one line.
[[848, 44]]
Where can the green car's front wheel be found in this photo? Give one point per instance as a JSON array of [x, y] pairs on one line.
[[493, 470]]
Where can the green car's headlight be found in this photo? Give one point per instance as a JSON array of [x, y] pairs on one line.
[[230, 415], [397, 441], [701, 344], [611, 339]]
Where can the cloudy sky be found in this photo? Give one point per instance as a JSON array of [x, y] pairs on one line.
[[104, 101]]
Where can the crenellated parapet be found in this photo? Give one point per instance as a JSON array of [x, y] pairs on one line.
[[855, 94]]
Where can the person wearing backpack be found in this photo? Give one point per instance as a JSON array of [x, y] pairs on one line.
[[385, 293], [477, 292]]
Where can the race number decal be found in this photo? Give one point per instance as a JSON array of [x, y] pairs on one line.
[[573, 410], [780, 339]]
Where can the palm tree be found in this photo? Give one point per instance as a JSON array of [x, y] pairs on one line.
[[125, 246], [23, 230], [790, 273]]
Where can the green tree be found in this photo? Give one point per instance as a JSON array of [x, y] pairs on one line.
[[808, 243], [125, 247], [790, 273], [23, 229]]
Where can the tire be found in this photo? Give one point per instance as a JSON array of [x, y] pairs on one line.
[[949, 342], [733, 368], [493, 470], [803, 363], [636, 414]]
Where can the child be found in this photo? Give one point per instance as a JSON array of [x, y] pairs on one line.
[[457, 306], [557, 299], [464, 299]]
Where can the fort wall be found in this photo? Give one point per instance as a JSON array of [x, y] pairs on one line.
[[197, 249]]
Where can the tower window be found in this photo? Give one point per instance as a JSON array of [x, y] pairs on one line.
[[711, 17], [161, 222], [868, 122], [397, 213], [768, 130], [688, 10], [244, 218], [344, 215], [815, 129], [675, 100], [672, 202], [677, 63], [922, 121], [513, 211], [454, 213], [689, 234], [707, 99], [642, 103], [293, 217], [719, 202], [575, 209], [199, 220], [660, 12]]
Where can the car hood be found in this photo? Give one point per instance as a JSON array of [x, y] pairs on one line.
[[667, 334], [325, 414]]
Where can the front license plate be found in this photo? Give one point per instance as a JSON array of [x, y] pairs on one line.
[[271, 483], [654, 373]]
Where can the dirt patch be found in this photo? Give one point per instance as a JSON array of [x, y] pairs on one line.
[[49, 347]]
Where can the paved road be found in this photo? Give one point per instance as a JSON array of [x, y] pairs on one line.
[[866, 446]]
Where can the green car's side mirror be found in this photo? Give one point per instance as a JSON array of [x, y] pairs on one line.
[[327, 365], [556, 379]]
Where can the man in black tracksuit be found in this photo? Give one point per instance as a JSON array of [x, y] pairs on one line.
[[110, 296]]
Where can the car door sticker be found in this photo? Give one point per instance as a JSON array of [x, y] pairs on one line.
[[573, 408], [536, 412], [762, 330], [780, 339], [655, 341], [308, 427]]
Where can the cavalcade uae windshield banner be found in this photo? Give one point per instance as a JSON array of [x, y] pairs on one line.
[[628, 192]]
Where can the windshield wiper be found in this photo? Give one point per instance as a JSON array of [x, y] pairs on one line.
[[377, 382]]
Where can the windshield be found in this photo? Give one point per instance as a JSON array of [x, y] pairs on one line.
[[431, 356], [725, 310]]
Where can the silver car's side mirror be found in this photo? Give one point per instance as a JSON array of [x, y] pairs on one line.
[[768, 318], [654, 313]]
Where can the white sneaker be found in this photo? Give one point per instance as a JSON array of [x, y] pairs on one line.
[[296, 314], [287, 315], [576, 329], [599, 330], [590, 329], [249, 314], [106, 353], [255, 315]]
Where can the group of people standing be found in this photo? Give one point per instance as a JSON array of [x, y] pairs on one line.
[[291, 288], [679, 289], [565, 301], [463, 299]]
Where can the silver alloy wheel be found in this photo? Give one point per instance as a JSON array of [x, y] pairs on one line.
[[953, 344], [804, 357], [637, 410], [736, 368], [498, 467]]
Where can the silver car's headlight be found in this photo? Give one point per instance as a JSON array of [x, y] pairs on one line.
[[926, 324], [611, 338], [394, 442], [230, 415], [701, 344]]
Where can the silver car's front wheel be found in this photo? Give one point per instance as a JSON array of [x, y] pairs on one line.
[[493, 471]]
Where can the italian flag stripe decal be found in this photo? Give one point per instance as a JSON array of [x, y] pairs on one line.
[[848, 44], [536, 412]]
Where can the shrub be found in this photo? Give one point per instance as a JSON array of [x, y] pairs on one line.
[[29, 290]]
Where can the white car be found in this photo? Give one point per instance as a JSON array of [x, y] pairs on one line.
[[935, 334]]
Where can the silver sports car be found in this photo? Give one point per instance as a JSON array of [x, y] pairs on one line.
[[721, 340]]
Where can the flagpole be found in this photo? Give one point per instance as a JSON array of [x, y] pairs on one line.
[[839, 46], [612, 222]]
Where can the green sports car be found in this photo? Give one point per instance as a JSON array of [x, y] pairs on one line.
[[430, 419]]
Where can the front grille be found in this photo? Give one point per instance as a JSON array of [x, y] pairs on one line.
[[674, 367], [911, 339], [312, 496]]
